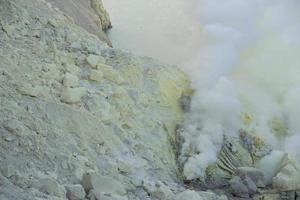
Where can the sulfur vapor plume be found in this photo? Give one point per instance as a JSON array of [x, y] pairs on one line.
[[246, 75]]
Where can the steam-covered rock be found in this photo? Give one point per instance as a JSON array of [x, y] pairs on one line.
[[288, 176]]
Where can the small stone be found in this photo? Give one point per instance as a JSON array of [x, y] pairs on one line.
[[92, 180], [162, 192], [14, 126], [73, 69], [252, 188], [64, 164], [75, 45], [36, 33], [51, 71], [96, 75], [111, 74], [75, 192], [53, 22], [137, 182], [50, 186], [75, 154], [8, 171], [8, 139], [73, 95], [71, 37], [9, 29], [185, 103], [93, 60], [260, 184], [188, 195], [207, 195], [78, 173], [28, 90], [238, 188], [95, 195], [70, 80], [125, 168]]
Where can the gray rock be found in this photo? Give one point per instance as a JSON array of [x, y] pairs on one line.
[[75, 192]]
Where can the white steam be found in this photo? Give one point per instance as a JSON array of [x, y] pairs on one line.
[[248, 64]]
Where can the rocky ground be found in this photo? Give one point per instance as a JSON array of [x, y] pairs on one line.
[[81, 120]]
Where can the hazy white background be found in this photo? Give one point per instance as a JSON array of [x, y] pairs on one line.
[[163, 29]]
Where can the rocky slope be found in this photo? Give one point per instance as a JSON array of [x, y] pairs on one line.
[[81, 120]]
